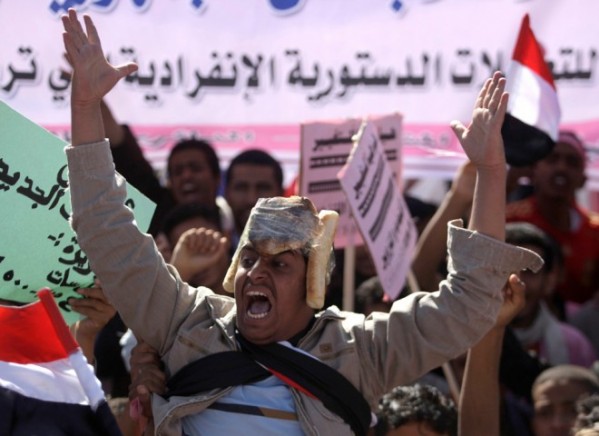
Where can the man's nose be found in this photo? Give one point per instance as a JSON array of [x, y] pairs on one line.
[[562, 422], [258, 270], [186, 171], [562, 163], [253, 195]]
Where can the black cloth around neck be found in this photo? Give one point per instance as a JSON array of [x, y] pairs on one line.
[[234, 368]]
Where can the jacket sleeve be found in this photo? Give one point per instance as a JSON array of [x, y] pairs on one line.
[[132, 164], [424, 330], [149, 295]]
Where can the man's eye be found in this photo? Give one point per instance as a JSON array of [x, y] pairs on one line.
[[544, 412], [278, 263], [247, 262]]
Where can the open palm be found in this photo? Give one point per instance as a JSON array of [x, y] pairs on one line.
[[481, 140], [93, 76]]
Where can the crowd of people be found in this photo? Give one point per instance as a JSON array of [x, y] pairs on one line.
[[217, 320]]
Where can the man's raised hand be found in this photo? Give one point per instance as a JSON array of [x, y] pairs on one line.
[[93, 76], [197, 250], [481, 140]]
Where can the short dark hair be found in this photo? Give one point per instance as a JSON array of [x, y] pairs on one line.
[[184, 212], [523, 233], [200, 145], [574, 373], [419, 403], [256, 156]]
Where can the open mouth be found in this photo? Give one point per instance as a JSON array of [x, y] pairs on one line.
[[258, 305], [560, 180], [188, 188]]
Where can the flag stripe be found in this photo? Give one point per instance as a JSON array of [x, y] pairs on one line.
[[60, 327], [23, 415], [21, 342], [528, 52], [88, 380], [533, 100], [46, 385], [41, 381]]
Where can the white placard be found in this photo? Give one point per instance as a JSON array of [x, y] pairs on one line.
[[379, 209]]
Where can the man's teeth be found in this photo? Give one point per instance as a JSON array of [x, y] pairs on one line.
[[256, 315], [560, 180], [259, 305], [188, 187]]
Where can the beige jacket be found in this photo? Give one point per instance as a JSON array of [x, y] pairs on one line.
[[375, 353]]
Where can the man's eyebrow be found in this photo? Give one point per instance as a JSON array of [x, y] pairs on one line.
[[291, 252], [248, 248]]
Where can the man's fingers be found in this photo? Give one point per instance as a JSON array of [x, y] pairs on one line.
[[93, 293], [126, 69], [202, 240], [458, 128], [518, 289], [92, 32], [516, 284], [482, 94], [502, 109], [152, 378], [75, 28], [489, 92], [497, 94], [69, 45]]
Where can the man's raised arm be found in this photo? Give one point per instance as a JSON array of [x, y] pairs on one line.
[[482, 142], [93, 78]]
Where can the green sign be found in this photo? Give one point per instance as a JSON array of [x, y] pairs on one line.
[[38, 248]]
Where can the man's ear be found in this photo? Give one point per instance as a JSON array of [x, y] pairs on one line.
[[551, 280]]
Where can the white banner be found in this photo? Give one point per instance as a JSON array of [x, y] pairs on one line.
[[379, 208], [246, 74], [325, 149]]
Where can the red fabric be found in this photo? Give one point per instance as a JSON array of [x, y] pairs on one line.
[[60, 327], [293, 188], [29, 334], [291, 383], [580, 248], [529, 53]]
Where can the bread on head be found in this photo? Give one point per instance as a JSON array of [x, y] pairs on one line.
[[317, 274], [280, 224]]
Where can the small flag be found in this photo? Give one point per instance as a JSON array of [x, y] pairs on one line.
[[46, 384], [531, 125]]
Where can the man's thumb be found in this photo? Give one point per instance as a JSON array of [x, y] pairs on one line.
[[126, 69], [458, 128]]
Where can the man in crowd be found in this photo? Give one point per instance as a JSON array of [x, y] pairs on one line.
[[555, 394], [537, 328], [553, 208], [265, 361], [193, 174], [252, 174]]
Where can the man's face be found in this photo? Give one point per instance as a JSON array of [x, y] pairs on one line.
[[270, 293], [555, 407], [191, 179], [560, 174], [248, 183]]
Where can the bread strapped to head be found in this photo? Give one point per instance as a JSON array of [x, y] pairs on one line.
[[317, 274], [280, 224]]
